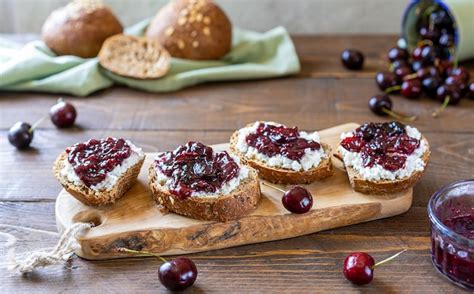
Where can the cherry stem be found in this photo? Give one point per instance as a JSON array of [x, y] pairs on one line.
[[388, 259], [410, 76], [399, 116], [274, 187], [392, 89], [141, 252], [452, 52], [437, 112], [425, 42], [36, 124]]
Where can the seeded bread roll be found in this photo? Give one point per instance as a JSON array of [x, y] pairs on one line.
[[134, 57], [192, 29], [80, 28]]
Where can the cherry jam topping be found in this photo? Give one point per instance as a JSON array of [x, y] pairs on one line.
[[93, 159], [272, 140], [386, 144], [194, 167]]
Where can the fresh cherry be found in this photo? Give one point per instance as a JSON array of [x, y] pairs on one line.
[[359, 267], [352, 59], [411, 88], [296, 200], [460, 72], [428, 34], [428, 71], [446, 40], [20, 135], [430, 85], [402, 71], [385, 80], [459, 82], [382, 105], [417, 65], [397, 53], [448, 94], [63, 114], [178, 274], [397, 63], [428, 54], [471, 90]]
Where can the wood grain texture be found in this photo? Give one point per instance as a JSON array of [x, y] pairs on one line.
[[323, 95], [135, 222]]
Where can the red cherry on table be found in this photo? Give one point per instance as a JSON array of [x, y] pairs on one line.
[[397, 53], [63, 114], [352, 59], [385, 80], [411, 88], [359, 268], [178, 274], [402, 71], [20, 135], [297, 200]]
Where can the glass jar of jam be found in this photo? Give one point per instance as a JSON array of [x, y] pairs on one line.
[[451, 211]]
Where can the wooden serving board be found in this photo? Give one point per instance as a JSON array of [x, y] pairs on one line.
[[135, 221]]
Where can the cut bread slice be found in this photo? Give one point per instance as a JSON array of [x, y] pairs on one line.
[[240, 202], [283, 175], [134, 57], [92, 197], [381, 187]]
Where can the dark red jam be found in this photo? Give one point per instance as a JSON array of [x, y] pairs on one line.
[[272, 140], [386, 144], [92, 160], [194, 167], [451, 256]]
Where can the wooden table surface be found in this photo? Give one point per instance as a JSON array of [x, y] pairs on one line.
[[324, 94]]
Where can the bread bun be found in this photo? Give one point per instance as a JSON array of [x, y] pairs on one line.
[[192, 29], [134, 57], [80, 28]]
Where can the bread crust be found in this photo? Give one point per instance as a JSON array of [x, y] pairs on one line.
[[97, 198], [283, 175], [382, 187], [79, 29], [188, 29], [240, 202], [134, 57]]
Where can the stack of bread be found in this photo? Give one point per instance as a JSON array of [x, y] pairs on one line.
[[189, 29]]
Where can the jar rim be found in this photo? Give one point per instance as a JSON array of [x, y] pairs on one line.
[[438, 223]]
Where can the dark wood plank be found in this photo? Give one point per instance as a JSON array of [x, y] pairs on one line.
[[303, 264], [34, 181], [308, 103]]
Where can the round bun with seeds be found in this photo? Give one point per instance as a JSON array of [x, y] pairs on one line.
[[134, 57], [192, 29], [80, 28]]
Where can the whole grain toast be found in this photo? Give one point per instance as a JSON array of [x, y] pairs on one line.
[[92, 197], [134, 57], [240, 202], [382, 187], [284, 175]]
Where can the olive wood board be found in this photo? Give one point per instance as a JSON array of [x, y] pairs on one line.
[[136, 222]]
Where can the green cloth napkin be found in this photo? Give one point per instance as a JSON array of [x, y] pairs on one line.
[[36, 68]]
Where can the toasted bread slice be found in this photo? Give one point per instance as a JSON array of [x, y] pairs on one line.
[[134, 57], [284, 175], [240, 202], [92, 197], [381, 187]]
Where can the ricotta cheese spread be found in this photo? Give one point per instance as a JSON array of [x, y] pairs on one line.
[[311, 158]]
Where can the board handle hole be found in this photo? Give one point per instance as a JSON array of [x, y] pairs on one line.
[[88, 217]]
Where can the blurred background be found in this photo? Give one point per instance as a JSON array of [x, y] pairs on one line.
[[298, 16]]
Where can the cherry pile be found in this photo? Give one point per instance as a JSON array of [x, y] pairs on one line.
[[195, 167], [62, 114], [92, 160], [386, 144], [430, 69], [273, 140]]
